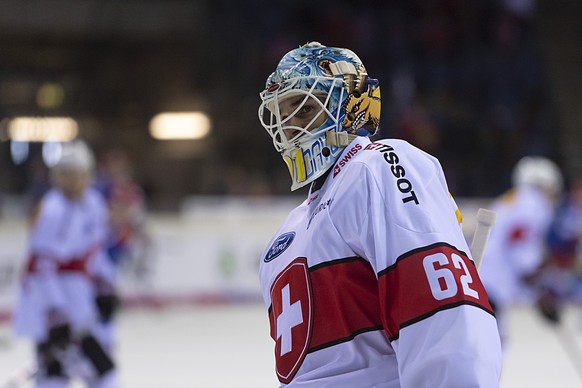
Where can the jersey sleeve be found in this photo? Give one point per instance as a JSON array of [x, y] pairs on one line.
[[101, 266], [394, 210], [44, 248]]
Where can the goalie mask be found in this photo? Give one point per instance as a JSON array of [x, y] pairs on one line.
[[315, 103]]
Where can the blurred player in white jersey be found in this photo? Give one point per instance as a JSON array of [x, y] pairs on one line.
[[560, 277], [517, 244], [68, 285], [369, 282]]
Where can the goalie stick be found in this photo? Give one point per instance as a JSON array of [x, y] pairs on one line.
[[74, 365], [485, 220], [83, 359], [20, 377], [570, 346]]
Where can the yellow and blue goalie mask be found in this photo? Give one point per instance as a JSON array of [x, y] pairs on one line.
[[315, 103]]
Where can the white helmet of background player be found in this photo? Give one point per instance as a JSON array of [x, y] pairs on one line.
[[315, 103], [72, 173], [539, 172], [76, 155]]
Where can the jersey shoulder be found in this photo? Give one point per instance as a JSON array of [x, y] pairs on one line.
[[95, 197], [405, 181], [52, 204], [390, 159], [397, 151]]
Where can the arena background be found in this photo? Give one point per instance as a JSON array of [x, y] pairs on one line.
[[478, 84]]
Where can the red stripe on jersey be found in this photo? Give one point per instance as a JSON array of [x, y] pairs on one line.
[[343, 294], [425, 281], [75, 264], [345, 300]]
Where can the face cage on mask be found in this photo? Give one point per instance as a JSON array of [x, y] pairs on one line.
[[276, 127], [304, 154]]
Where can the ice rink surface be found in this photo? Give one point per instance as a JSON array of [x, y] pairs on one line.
[[228, 346]]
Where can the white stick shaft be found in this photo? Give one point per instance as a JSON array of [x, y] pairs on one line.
[[485, 221], [20, 377]]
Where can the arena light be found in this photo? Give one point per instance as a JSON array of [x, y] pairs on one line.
[[42, 129], [180, 126]]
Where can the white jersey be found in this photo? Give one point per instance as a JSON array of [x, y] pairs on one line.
[[65, 255], [516, 245], [370, 283]]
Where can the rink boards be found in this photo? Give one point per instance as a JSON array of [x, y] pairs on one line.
[[208, 253]]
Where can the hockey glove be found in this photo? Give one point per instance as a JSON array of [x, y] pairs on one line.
[[107, 306], [106, 298], [547, 306]]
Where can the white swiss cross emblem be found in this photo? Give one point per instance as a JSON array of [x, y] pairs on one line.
[[291, 316]]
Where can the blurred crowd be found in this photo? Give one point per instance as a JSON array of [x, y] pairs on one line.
[[464, 80]]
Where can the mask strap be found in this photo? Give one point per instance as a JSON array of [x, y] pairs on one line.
[[339, 139]]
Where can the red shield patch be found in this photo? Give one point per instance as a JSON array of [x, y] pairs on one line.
[[291, 318]]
